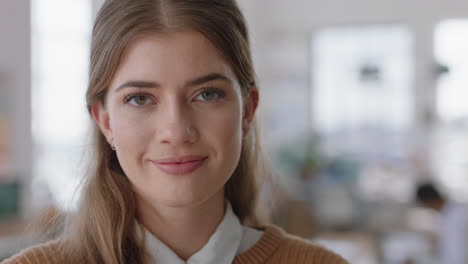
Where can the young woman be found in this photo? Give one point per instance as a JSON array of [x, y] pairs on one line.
[[173, 96]]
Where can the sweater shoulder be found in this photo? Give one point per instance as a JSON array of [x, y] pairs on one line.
[[306, 252], [277, 247], [44, 253]]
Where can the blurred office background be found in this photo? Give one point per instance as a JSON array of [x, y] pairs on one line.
[[360, 101]]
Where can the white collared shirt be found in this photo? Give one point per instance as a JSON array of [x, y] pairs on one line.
[[229, 240]]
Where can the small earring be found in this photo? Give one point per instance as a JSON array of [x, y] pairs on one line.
[[110, 144]]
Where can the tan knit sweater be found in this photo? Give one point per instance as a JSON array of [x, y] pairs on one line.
[[274, 247]]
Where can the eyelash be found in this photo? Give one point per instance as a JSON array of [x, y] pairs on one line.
[[219, 93], [129, 97]]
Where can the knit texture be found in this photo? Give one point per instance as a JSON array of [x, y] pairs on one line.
[[274, 247]]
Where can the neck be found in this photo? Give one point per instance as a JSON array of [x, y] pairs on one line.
[[173, 225]]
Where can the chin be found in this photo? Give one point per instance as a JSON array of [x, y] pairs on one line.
[[183, 201], [190, 199]]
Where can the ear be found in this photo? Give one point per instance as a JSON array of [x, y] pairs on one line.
[[101, 117], [250, 106]]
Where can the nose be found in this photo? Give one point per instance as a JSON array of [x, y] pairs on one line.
[[176, 124]]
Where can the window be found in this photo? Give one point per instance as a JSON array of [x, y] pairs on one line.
[[362, 103], [450, 145], [60, 51]]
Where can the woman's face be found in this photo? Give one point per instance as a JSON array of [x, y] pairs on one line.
[[176, 115]]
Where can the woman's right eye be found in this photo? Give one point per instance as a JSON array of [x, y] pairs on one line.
[[137, 100]]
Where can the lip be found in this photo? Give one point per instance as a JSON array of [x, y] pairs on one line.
[[180, 165]]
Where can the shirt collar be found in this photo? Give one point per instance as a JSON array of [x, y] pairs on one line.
[[226, 239]]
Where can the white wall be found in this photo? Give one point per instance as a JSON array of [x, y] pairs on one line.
[[310, 13], [282, 32], [15, 76]]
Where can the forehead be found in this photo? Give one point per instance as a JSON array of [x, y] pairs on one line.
[[169, 58]]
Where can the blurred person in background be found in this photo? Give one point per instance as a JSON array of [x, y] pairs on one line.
[[177, 167], [453, 232]]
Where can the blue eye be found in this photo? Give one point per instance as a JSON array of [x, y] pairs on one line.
[[210, 94], [138, 99]]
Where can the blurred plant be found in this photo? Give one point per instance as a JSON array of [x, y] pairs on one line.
[[304, 157], [341, 169]]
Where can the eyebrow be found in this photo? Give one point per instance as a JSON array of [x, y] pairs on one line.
[[197, 81]]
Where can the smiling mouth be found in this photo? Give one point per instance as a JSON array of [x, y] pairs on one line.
[[179, 166]]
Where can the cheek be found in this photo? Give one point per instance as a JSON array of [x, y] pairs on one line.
[[230, 132], [130, 133], [224, 132]]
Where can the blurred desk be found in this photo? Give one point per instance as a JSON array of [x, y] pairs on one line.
[[356, 247], [14, 237], [12, 227]]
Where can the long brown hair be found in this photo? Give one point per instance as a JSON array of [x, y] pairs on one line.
[[103, 230]]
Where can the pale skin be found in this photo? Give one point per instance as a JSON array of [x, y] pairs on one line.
[[177, 97]]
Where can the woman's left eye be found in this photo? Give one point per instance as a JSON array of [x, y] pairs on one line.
[[210, 94]]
